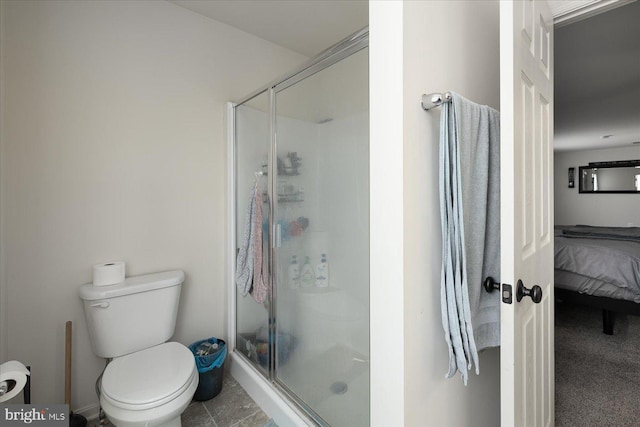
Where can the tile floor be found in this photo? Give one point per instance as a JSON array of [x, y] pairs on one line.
[[233, 407]]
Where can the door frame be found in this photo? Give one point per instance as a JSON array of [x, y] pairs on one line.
[[568, 12], [270, 393]]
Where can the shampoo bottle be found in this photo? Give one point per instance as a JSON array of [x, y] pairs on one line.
[[294, 273], [307, 276], [322, 272]]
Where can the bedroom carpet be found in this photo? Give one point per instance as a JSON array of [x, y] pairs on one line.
[[597, 375]]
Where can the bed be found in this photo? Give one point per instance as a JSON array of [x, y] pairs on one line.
[[599, 267]]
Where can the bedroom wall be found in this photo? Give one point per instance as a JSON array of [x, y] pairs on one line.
[[571, 207], [113, 148]]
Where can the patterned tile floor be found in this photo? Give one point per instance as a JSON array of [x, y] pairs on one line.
[[233, 407]]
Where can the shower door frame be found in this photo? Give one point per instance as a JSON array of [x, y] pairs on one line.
[[343, 49]]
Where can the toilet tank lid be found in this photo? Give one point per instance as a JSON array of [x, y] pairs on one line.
[[132, 285]]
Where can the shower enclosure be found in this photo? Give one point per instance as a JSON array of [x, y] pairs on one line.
[[304, 142]]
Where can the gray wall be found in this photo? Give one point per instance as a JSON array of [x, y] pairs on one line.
[[571, 207]]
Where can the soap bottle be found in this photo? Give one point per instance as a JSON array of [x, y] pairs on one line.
[[307, 276], [294, 273], [322, 272]]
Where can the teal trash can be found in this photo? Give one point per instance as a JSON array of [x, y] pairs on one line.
[[210, 355]]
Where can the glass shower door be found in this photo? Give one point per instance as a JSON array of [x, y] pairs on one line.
[[252, 146], [321, 218]]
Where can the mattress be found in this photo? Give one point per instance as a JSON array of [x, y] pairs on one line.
[[590, 286], [601, 262]]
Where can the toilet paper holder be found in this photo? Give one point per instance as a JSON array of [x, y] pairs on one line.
[[6, 387]]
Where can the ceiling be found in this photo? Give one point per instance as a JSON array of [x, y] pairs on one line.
[[597, 59], [307, 27], [597, 81]]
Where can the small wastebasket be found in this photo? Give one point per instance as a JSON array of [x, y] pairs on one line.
[[210, 355]]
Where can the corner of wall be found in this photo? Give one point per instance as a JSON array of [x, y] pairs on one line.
[[387, 368], [3, 274], [229, 287]]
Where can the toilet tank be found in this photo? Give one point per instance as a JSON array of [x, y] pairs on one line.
[[133, 315]]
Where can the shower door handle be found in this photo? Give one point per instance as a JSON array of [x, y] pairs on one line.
[[277, 236]]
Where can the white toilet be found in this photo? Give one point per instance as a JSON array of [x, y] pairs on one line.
[[149, 382]]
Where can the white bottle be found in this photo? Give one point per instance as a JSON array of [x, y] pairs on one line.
[[322, 272], [294, 273], [307, 275]]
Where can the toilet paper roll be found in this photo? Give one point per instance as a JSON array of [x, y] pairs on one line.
[[13, 377], [109, 273]]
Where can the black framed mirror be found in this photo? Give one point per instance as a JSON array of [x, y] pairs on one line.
[[610, 177]]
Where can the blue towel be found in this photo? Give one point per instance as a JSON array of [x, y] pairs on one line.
[[470, 222]]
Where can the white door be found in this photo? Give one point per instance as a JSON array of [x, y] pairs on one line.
[[526, 104]]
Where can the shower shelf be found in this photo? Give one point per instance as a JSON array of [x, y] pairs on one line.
[[317, 290], [288, 198], [291, 198]]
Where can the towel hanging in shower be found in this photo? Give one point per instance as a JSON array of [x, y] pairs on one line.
[[252, 275], [260, 286], [245, 259], [470, 221]]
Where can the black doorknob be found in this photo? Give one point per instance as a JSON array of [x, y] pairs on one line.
[[490, 284], [522, 291]]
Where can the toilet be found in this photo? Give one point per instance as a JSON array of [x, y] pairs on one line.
[[149, 381]]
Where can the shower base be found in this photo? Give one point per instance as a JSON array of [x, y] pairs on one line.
[[334, 383]]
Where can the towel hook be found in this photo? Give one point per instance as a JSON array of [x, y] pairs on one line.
[[257, 175]]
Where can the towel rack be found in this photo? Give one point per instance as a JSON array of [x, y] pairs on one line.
[[433, 100]]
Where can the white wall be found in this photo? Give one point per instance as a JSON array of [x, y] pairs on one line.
[[447, 46], [112, 148], [571, 207], [386, 294]]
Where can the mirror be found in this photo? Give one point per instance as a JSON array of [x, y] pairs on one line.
[[610, 177]]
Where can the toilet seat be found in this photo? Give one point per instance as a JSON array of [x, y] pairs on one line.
[[149, 378]]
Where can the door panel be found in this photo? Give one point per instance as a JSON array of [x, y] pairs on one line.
[[251, 154], [527, 377], [322, 245]]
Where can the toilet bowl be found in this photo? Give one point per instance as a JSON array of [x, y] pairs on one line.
[[149, 381], [151, 387]]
